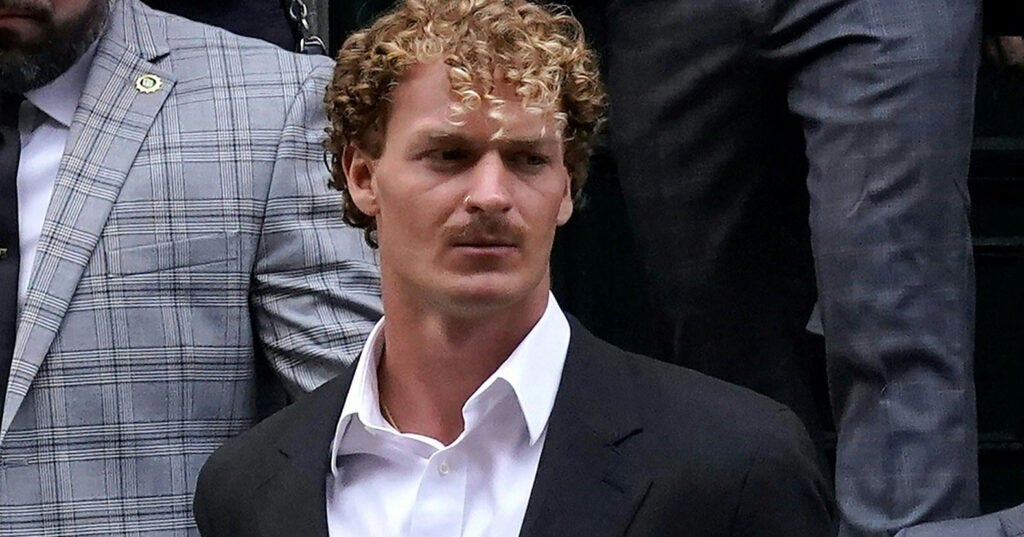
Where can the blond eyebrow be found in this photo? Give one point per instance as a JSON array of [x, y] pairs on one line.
[[434, 136], [438, 135], [530, 140]]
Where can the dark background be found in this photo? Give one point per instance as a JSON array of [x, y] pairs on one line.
[[997, 195], [596, 275]]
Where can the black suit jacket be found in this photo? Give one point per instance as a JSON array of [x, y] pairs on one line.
[[634, 447]]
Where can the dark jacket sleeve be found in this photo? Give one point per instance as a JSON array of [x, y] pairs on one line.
[[784, 493], [204, 501], [199, 512], [217, 507]]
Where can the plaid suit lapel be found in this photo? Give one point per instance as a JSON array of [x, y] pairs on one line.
[[112, 119]]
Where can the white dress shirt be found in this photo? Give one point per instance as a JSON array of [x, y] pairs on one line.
[[389, 483], [43, 125]]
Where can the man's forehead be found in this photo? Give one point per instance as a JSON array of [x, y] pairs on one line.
[[427, 95], [450, 132]]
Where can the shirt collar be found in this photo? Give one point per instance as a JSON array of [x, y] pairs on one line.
[[533, 370], [60, 97]]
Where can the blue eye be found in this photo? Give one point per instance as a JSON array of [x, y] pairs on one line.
[[536, 160], [530, 161], [447, 160]]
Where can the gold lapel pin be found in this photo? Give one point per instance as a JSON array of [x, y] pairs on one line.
[[148, 84], [3, 253]]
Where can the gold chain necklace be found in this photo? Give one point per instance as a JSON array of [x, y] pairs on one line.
[[387, 414], [384, 406]]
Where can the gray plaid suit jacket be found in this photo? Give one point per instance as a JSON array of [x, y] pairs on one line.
[[190, 234]]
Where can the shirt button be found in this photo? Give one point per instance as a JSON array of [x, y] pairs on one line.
[[443, 468]]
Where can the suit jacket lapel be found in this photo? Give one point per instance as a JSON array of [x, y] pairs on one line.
[[584, 486], [112, 120], [292, 500]]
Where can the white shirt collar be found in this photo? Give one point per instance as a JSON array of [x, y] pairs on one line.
[[59, 99], [533, 371]]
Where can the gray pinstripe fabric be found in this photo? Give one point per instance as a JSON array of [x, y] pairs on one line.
[[787, 148], [187, 227]]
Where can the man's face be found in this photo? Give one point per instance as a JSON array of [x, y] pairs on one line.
[[40, 39], [465, 220]]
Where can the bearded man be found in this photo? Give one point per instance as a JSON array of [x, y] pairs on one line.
[[172, 264]]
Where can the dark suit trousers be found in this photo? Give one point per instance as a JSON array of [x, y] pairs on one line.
[[777, 152]]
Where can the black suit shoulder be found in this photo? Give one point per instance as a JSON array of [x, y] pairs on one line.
[[674, 401], [754, 453], [301, 432], [732, 461], [681, 401]]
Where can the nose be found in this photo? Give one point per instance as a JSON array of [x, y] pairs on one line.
[[488, 186]]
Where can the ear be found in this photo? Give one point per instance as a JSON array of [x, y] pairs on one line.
[[565, 207], [359, 176]]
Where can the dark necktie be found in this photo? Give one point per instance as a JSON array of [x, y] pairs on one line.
[[10, 256]]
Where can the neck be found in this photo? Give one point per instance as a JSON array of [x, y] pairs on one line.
[[434, 362]]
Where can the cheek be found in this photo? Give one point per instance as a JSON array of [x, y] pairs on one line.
[[71, 10], [72, 7], [548, 207], [406, 223], [422, 208]]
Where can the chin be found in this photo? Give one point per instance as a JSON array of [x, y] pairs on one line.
[[482, 295], [483, 299]]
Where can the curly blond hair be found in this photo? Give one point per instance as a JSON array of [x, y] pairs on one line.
[[539, 51]]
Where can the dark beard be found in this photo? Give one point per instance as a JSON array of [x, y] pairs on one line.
[[28, 66]]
